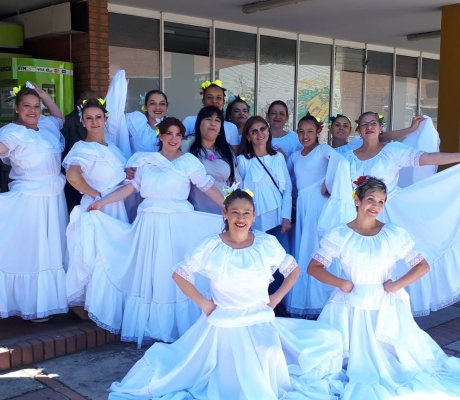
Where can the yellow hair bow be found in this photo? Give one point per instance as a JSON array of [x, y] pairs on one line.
[[101, 101], [207, 83], [16, 90], [249, 192]]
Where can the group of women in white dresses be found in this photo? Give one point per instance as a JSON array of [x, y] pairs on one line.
[[120, 272]]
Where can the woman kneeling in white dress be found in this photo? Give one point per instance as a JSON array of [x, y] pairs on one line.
[[238, 349], [388, 356]]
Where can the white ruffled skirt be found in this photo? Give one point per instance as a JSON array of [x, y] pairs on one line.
[[131, 291], [81, 247], [285, 358], [32, 248], [388, 356]]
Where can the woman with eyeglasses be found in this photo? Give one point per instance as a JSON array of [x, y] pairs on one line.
[[428, 209], [263, 170]]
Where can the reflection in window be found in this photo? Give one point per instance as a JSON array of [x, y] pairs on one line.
[[134, 47], [235, 63], [378, 84], [186, 66], [405, 97], [430, 89], [348, 82], [313, 85], [276, 73]]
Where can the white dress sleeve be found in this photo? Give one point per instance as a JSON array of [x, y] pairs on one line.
[[407, 251], [196, 261], [189, 123], [276, 255], [329, 248], [77, 156], [11, 136], [231, 133], [198, 175], [403, 155]]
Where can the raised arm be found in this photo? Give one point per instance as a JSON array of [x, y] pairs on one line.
[[317, 270], [206, 305], [49, 103], [75, 177], [412, 275], [439, 158], [402, 133]]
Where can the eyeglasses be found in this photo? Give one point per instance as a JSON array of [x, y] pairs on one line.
[[262, 130], [371, 124]]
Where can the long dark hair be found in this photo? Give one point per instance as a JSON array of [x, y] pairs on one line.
[[246, 148], [221, 145]]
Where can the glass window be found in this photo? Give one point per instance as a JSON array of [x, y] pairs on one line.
[[186, 66], [235, 63], [313, 85], [134, 44], [348, 82], [430, 89], [405, 98], [378, 83], [277, 74]]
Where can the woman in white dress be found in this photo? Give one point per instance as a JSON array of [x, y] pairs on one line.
[[211, 148], [133, 263], [387, 356], [284, 141], [142, 126], [213, 94], [263, 170], [237, 112], [94, 168], [238, 349], [33, 213], [309, 167], [341, 129], [428, 209]]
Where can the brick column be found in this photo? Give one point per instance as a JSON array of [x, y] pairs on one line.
[[90, 51]]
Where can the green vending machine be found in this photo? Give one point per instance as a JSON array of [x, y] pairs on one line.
[[54, 77]]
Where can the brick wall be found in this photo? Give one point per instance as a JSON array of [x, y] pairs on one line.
[[89, 51]]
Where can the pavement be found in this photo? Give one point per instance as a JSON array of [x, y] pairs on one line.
[[87, 374]]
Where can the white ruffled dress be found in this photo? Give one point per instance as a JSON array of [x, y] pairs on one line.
[[134, 263], [429, 210], [103, 169], [322, 165], [388, 356], [240, 351], [33, 218]]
